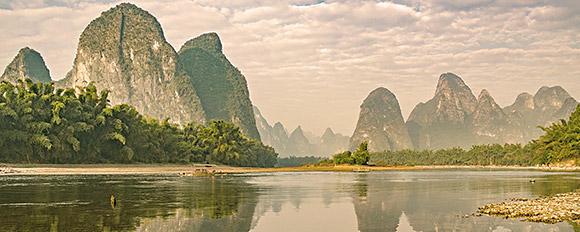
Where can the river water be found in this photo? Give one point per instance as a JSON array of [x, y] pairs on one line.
[[414, 200]]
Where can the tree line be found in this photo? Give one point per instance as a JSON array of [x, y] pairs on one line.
[[42, 124], [559, 143]]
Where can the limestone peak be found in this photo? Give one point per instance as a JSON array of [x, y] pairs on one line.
[[28, 63]]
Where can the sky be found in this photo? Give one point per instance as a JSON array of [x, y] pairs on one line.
[[312, 63]]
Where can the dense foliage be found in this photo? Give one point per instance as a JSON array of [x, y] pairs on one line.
[[360, 156], [560, 143], [294, 161], [41, 124], [561, 140], [489, 154]]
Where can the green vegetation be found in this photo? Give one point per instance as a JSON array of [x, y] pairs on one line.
[[294, 161], [491, 154], [221, 87], [27, 63], [560, 143], [360, 156], [41, 124]]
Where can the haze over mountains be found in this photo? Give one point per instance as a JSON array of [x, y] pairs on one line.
[[124, 50], [299, 142], [455, 117]]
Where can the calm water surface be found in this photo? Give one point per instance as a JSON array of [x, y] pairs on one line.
[[418, 200]]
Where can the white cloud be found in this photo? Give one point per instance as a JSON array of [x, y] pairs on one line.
[[313, 63]]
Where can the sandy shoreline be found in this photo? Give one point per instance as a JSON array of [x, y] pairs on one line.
[[149, 169]]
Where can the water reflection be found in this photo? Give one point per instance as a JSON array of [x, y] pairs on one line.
[[429, 200]]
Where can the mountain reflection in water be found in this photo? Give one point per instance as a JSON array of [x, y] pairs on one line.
[[418, 200]]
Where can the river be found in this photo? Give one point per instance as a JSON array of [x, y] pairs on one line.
[[413, 200]]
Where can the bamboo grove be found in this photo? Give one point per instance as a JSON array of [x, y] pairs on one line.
[[42, 124]]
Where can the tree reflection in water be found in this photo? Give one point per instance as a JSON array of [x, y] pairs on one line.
[[375, 201]]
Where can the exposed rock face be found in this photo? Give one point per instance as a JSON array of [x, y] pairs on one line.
[[441, 122], [548, 101], [490, 124], [28, 63], [381, 123], [547, 106], [524, 103], [279, 139], [276, 136], [566, 110], [124, 50], [221, 87], [264, 127]]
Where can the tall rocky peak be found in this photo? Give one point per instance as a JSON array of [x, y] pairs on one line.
[[279, 129], [263, 126], [124, 50], [490, 124], [441, 122], [209, 42], [221, 87], [328, 133], [298, 144], [277, 138], [550, 98], [28, 63], [381, 123], [486, 102], [552, 104], [524, 102], [298, 133], [451, 86]]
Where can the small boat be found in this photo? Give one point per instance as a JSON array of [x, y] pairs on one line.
[[6, 169]]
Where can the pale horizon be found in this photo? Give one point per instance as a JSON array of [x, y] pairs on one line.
[[312, 63]]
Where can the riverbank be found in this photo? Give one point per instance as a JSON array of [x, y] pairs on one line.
[[149, 169], [124, 169]]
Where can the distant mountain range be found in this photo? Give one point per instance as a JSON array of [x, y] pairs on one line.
[[299, 142], [455, 117], [124, 50]]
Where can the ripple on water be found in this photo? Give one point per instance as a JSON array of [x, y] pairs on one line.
[[48, 204]]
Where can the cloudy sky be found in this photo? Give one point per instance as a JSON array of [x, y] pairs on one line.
[[312, 63]]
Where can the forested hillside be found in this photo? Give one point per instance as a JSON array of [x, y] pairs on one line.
[[42, 124]]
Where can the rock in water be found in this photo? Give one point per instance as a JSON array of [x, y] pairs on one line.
[[381, 123], [442, 121], [221, 87], [124, 50], [28, 63]]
